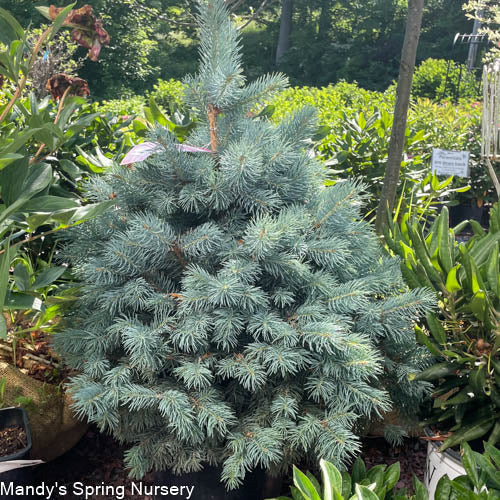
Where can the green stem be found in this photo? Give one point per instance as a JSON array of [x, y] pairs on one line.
[[27, 240]]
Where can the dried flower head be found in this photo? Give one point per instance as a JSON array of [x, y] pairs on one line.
[[87, 29], [58, 84]]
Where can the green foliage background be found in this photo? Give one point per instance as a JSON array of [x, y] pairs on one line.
[[331, 40]]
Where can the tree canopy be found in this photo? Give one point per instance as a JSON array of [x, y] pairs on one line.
[[328, 40]]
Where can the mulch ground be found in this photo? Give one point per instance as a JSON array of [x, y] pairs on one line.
[[12, 440], [411, 455], [98, 460]]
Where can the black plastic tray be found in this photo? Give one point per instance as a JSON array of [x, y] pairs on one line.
[[19, 417]]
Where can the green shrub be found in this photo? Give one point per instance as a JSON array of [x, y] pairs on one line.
[[457, 127], [463, 331], [133, 105], [168, 93], [330, 101], [240, 313], [430, 80], [356, 125]]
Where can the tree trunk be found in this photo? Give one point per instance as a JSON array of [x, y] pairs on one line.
[[285, 30], [396, 144], [324, 20]]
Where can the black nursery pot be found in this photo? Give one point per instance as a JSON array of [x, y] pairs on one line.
[[460, 213], [208, 486], [16, 417]]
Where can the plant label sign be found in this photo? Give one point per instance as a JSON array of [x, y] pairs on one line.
[[448, 163]]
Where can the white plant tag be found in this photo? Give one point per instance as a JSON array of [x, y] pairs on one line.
[[37, 304], [448, 163]]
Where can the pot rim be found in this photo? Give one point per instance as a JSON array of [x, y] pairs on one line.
[[451, 454]]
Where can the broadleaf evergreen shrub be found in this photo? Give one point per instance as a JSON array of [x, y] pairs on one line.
[[168, 93], [340, 107], [430, 81], [358, 124], [234, 309]]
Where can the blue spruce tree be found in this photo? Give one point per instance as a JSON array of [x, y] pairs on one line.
[[235, 311]]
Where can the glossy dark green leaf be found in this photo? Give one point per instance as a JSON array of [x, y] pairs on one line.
[[391, 476], [8, 158], [358, 471], [39, 178], [437, 371], [12, 180], [70, 168], [304, 485], [49, 203], [443, 489], [420, 490], [47, 277], [12, 22], [21, 277], [470, 465]]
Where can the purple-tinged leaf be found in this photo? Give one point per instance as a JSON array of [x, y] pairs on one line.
[[141, 152], [146, 149]]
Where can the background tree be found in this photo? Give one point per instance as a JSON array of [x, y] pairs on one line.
[[488, 13], [286, 20], [397, 142], [331, 40]]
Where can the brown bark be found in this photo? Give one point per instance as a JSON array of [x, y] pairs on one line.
[[396, 144], [213, 111]]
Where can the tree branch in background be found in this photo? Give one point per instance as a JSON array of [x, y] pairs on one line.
[[255, 15], [190, 22]]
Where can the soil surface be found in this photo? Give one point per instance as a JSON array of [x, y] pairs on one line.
[[97, 460], [411, 455], [12, 440]]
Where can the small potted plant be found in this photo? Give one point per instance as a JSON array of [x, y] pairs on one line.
[[15, 435], [462, 334]]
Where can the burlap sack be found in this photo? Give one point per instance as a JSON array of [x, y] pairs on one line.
[[375, 427], [54, 429]]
